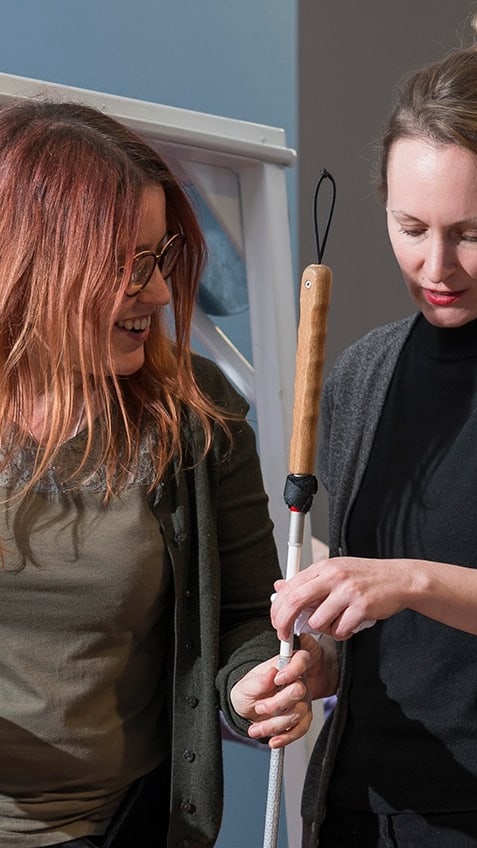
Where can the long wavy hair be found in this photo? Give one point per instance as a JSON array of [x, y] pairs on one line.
[[71, 184], [437, 102]]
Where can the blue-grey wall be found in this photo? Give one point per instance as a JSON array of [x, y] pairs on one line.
[[231, 59]]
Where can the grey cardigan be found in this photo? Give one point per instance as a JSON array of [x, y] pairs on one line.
[[351, 405], [216, 525]]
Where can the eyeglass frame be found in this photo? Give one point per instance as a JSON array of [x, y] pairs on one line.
[[158, 262]]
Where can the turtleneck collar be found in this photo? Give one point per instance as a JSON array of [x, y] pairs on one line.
[[446, 343]]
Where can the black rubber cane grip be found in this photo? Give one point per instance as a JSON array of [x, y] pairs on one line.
[[299, 491]]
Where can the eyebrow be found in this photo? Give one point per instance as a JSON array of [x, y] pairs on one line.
[[400, 213], [162, 241]]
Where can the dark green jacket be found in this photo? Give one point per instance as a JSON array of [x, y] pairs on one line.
[[218, 532]]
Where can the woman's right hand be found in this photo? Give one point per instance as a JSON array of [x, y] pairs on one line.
[[342, 594]]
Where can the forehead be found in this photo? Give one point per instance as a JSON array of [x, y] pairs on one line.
[[152, 222], [432, 177]]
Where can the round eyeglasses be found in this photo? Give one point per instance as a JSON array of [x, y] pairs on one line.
[[143, 263]]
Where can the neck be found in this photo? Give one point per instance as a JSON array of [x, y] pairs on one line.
[[39, 426]]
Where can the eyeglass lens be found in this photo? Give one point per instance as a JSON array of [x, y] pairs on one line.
[[143, 265]]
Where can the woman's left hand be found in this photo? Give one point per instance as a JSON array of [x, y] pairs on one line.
[[278, 703]]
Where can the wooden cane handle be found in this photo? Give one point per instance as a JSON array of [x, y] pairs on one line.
[[310, 357]]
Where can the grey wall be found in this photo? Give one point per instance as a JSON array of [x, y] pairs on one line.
[[351, 55]]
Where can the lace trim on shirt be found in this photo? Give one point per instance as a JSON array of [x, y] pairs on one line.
[[59, 475]]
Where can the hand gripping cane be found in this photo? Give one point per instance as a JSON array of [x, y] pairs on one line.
[[301, 483]]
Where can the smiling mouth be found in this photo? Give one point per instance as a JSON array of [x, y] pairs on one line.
[[136, 325]]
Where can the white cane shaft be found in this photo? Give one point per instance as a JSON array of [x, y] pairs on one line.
[[295, 546], [275, 773], [295, 543], [272, 816]]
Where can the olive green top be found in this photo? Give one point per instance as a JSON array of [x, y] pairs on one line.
[[94, 651]]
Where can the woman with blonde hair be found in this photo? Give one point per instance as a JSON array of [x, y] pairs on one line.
[[396, 762]]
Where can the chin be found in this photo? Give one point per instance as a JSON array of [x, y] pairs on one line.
[[126, 367], [447, 318]]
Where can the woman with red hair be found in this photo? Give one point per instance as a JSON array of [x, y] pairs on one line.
[[137, 557]]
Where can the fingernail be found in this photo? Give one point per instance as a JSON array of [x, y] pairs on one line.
[[364, 625]]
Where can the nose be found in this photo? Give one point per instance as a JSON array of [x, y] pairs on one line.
[[440, 259], [156, 291]]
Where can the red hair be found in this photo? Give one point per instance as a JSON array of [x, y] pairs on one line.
[[71, 184]]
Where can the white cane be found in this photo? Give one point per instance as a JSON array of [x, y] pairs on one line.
[[301, 483]]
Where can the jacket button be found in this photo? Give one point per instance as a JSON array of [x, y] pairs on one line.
[[187, 807], [192, 701], [188, 646], [189, 756], [179, 538]]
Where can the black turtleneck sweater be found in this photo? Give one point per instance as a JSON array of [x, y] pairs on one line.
[[410, 741]]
